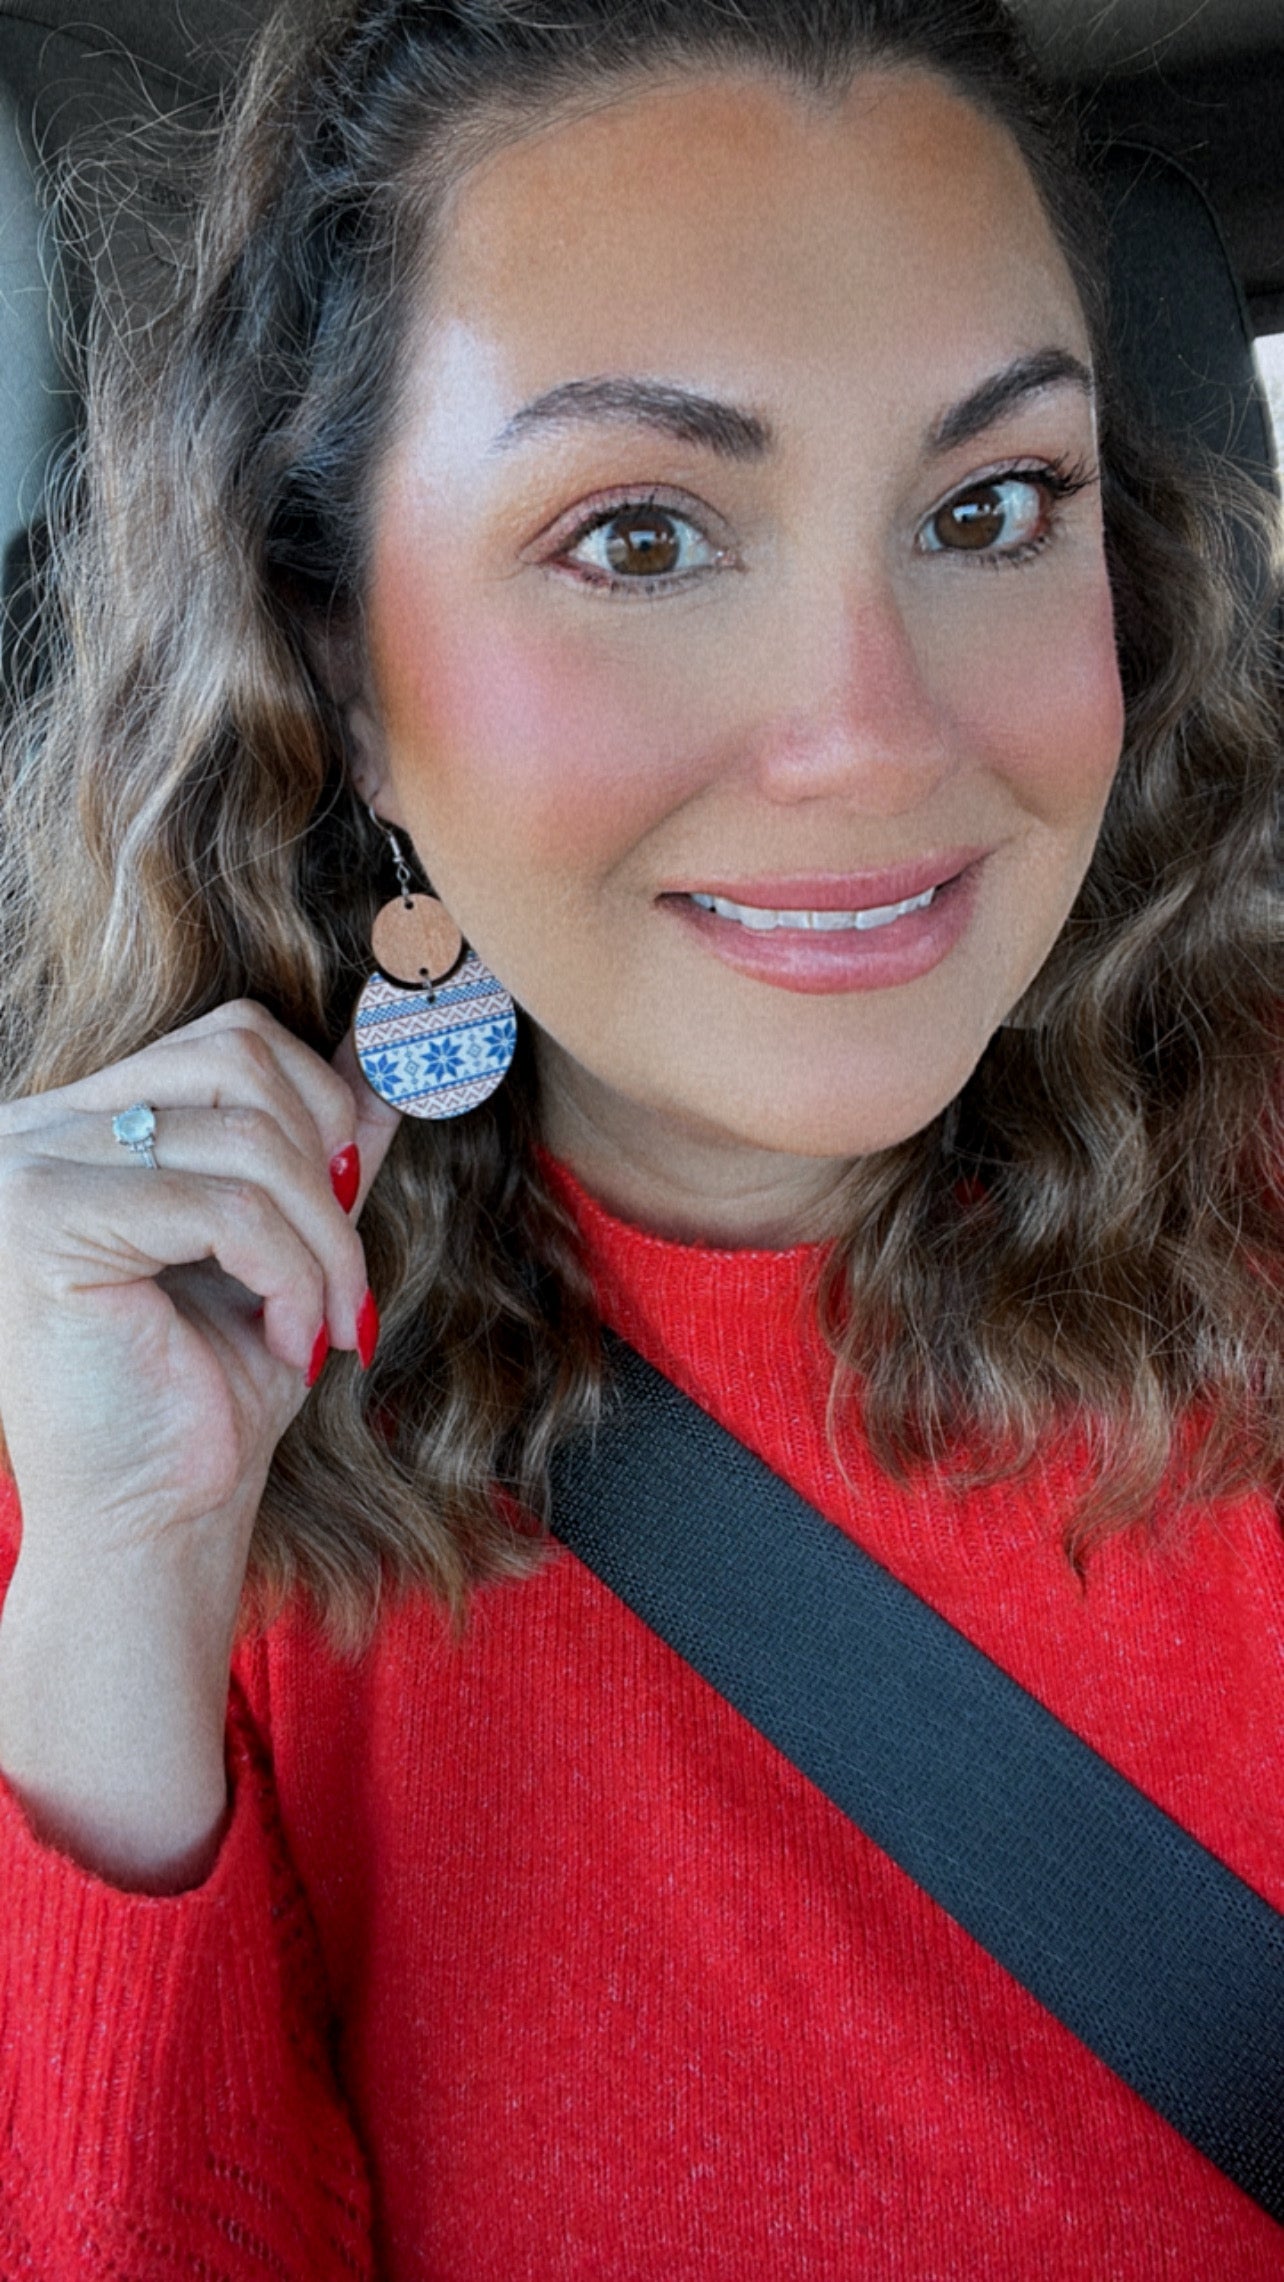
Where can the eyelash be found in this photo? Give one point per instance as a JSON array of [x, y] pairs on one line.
[[628, 588], [1059, 480]]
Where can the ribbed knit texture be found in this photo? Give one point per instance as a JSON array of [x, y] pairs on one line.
[[531, 1948]]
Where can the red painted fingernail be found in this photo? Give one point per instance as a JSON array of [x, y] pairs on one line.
[[367, 1330], [345, 1175], [320, 1349]]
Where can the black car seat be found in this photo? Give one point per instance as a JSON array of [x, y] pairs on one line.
[[1183, 334], [1182, 330]]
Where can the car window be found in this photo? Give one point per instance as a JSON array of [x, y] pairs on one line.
[[1270, 358]]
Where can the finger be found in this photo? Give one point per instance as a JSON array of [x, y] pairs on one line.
[[326, 1096], [246, 1145], [238, 1056], [376, 1119], [102, 1229]]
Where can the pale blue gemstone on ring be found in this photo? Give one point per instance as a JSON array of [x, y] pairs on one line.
[[136, 1129], [135, 1126]]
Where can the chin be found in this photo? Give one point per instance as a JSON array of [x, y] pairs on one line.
[[843, 1118], [839, 1130]]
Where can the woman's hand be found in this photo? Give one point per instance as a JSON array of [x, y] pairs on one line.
[[158, 1332], [157, 1328]]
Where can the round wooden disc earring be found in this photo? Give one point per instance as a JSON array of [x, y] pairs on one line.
[[415, 941], [430, 1052]]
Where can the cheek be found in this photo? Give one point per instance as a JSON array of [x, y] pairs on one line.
[[1046, 707], [513, 739]]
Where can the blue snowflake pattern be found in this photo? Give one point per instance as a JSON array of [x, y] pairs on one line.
[[393, 1075], [432, 1065], [499, 1039], [444, 1061]]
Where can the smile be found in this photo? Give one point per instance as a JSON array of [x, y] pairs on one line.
[[816, 943], [764, 921]]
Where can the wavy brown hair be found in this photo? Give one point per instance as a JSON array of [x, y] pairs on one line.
[[1087, 1240]]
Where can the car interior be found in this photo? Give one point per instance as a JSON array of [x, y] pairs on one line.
[[1183, 100]]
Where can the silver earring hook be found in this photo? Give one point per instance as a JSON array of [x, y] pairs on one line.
[[404, 881]]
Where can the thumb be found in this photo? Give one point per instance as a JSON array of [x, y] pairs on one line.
[[377, 1120]]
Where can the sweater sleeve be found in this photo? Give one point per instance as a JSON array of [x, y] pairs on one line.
[[168, 2101]]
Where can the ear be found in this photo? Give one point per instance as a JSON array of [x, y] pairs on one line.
[[368, 761], [337, 655]]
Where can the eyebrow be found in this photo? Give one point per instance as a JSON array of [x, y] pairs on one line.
[[733, 432], [1001, 393], [727, 429]]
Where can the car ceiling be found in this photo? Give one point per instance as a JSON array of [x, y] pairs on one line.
[[1076, 36], [1080, 37], [1202, 78]]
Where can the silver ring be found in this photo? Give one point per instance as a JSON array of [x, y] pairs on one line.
[[136, 1129]]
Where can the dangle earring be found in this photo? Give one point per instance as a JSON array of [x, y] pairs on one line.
[[435, 1032]]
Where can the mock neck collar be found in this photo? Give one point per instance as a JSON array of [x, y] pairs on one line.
[[695, 1308]]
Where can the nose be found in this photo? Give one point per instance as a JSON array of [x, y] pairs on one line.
[[852, 714]]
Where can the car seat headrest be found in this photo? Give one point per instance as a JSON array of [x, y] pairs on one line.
[[1181, 327]]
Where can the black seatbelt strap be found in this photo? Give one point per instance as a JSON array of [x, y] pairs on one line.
[[1156, 1955]]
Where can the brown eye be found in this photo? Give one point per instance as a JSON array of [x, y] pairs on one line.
[[1004, 514], [642, 547], [642, 542]]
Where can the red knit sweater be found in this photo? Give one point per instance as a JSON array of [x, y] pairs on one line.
[[527, 1961]]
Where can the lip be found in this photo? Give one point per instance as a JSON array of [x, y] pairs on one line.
[[837, 891], [847, 960]]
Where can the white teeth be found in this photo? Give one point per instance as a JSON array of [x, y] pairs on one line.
[[762, 921]]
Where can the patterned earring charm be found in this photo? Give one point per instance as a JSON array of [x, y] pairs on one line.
[[435, 1032]]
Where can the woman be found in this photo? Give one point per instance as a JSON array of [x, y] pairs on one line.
[[575, 460]]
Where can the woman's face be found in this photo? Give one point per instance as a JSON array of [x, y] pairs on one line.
[[719, 559]]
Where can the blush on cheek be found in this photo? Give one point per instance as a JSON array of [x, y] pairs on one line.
[[1054, 717], [485, 719], [1083, 697]]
